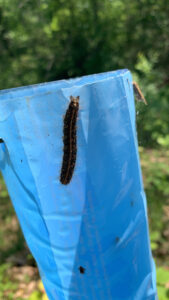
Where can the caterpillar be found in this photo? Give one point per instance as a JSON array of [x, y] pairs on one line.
[[69, 141], [138, 94]]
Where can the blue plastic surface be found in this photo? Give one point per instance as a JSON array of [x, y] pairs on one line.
[[98, 222]]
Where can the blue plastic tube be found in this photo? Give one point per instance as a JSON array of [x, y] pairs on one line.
[[90, 237]]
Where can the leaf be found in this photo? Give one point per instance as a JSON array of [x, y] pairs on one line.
[[154, 236], [35, 296], [162, 293], [162, 276], [154, 245]]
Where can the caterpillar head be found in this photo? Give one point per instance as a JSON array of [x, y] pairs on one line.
[[75, 100]]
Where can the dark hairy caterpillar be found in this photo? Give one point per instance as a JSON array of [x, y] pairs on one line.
[[69, 141]]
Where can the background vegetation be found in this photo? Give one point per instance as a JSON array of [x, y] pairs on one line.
[[44, 40]]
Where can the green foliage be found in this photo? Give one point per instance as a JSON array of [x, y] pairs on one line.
[[163, 283], [152, 120], [156, 176], [154, 237], [162, 276], [48, 40], [36, 295], [163, 141], [6, 284], [156, 170]]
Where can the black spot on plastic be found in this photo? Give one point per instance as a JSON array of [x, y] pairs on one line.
[[132, 203], [70, 141], [82, 270], [117, 239]]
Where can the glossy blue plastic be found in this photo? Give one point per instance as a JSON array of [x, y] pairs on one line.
[[90, 238]]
